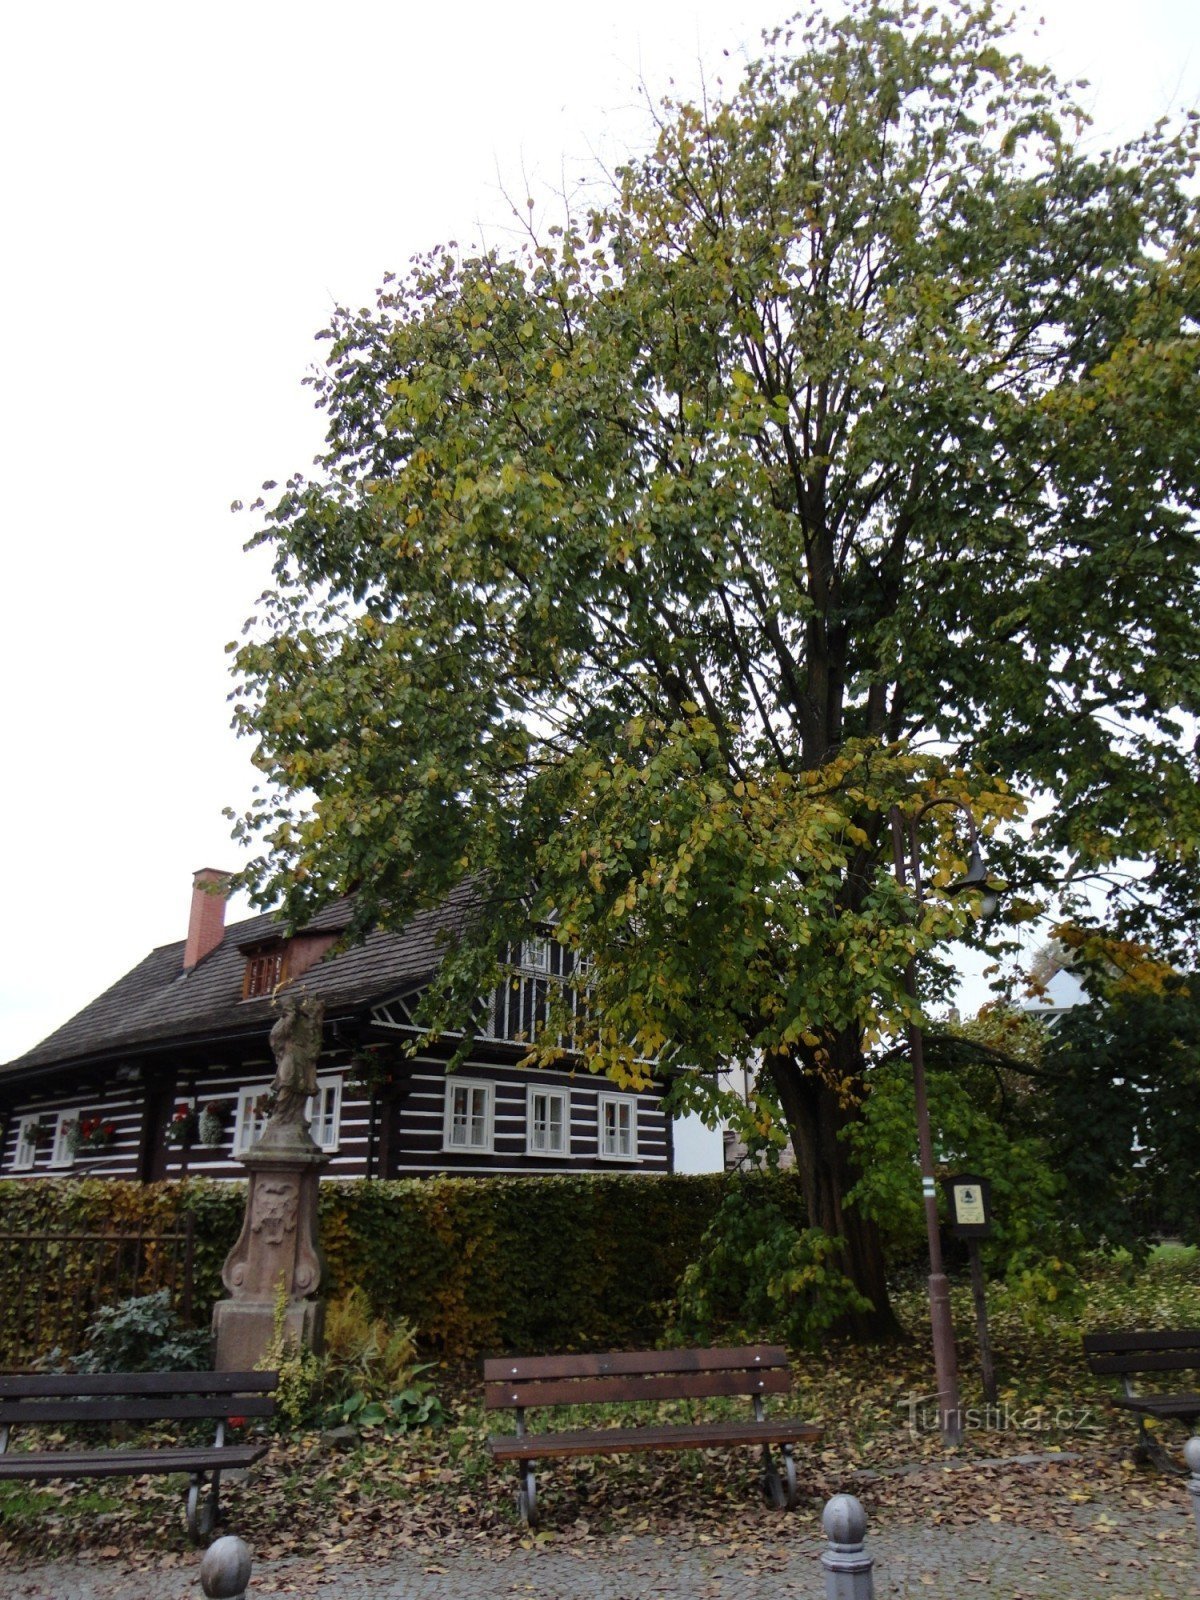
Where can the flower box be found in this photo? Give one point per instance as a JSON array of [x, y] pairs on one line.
[[215, 1119], [89, 1135], [181, 1130]]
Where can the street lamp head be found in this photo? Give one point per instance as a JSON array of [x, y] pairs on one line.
[[976, 878], [976, 874], [989, 904]]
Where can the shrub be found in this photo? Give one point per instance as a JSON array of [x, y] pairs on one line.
[[142, 1334], [368, 1374], [758, 1272], [366, 1352], [372, 1372], [477, 1264], [532, 1264], [301, 1372], [1033, 1241]]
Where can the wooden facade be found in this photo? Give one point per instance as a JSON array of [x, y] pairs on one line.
[[398, 1132]]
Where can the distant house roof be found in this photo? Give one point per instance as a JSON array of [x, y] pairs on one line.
[[1061, 993], [158, 1003]]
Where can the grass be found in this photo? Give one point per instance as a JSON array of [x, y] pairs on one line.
[[21, 1502]]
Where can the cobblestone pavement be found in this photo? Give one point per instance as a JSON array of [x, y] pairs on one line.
[[1100, 1557]]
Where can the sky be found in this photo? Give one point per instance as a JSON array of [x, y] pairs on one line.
[[186, 194]]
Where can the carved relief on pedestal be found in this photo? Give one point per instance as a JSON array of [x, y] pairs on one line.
[[276, 1203], [278, 1238]]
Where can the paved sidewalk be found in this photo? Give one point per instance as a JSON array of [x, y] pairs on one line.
[[1093, 1559]]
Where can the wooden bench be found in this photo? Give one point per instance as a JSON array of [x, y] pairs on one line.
[[1125, 1355], [34, 1400], [516, 1383]]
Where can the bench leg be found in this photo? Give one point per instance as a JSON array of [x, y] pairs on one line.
[[527, 1494], [789, 1467], [781, 1492], [1149, 1452], [202, 1514]]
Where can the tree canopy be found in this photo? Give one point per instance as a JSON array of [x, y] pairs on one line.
[[844, 456], [1125, 1065]]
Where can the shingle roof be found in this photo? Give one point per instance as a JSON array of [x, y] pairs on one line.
[[157, 1002]]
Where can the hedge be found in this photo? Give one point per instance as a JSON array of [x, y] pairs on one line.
[[478, 1264]]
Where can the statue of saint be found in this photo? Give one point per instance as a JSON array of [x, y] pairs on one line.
[[296, 1045]]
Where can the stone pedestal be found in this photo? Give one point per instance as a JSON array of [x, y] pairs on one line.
[[277, 1245]]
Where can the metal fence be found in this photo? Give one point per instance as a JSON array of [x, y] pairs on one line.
[[52, 1284]]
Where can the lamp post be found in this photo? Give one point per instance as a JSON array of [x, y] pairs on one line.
[[907, 855]]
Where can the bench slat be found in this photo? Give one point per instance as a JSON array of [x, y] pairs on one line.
[[1135, 1339], [21, 1464], [1160, 1405], [15, 1385], [753, 1357], [666, 1436], [1152, 1361], [134, 1409], [617, 1388]]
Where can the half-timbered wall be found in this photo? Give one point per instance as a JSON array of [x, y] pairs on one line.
[[423, 1141], [120, 1103], [348, 1156], [515, 1120]]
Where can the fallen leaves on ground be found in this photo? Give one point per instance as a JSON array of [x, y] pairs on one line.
[[1050, 1456]]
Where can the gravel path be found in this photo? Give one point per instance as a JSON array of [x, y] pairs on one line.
[[1103, 1555]]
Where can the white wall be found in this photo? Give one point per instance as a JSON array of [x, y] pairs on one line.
[[697, 1148]]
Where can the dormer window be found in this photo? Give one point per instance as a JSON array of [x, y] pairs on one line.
[[266, 969], [272, 962]]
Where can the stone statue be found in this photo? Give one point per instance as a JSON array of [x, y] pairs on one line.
[[296, 1045], [278, 1249]]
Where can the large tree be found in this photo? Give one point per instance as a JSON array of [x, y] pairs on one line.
[[845, 456]]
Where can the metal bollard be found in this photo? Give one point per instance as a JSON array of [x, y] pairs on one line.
[[1191, 1454], [225, 1570], [847, 1564]]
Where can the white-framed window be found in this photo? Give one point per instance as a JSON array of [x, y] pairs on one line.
[[61, 1154], [547, 1121], [617, 1114], [251, 1116], [26, 1152], [323, 1110], [469, 1115], [535, 955]]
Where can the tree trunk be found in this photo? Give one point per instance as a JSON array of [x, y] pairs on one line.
[[815, 1116]]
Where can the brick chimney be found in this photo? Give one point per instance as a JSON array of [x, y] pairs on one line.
[[206, 923]]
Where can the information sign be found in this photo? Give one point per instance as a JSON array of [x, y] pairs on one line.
[[969, 1200]]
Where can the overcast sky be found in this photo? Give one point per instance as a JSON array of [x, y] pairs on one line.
[[187, 193]]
